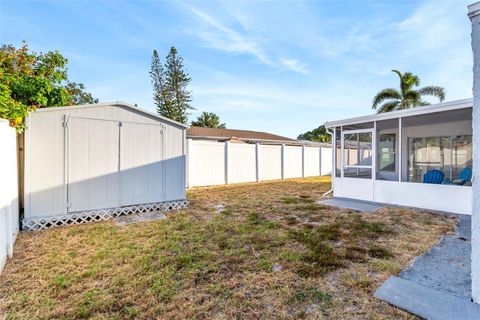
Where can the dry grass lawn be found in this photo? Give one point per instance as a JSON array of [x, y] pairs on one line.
[[247, 251]]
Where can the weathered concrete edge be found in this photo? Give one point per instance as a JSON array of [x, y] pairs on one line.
[[426, 302]]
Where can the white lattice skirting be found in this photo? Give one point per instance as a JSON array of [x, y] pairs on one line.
[[99, 215]]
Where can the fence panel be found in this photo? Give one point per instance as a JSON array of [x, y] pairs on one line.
[[9, 219], [293, 162], [270, 162], [216, 163], [206, 163], [326, 162], [242, 163], [312, 161]]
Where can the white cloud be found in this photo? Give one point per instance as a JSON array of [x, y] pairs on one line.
[[223, 38], [219, 36], [295, 65]]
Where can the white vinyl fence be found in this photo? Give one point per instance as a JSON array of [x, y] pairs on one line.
[[9, 220], [215, 163]]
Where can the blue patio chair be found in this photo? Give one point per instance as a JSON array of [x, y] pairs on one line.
[[464, 177], [433, 176]]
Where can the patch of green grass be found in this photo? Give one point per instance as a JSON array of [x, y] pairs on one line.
[[130, 312], [290, 200], [320, 260], [220, 291], [306, 207], [289, 255], [164, 285], [355, 254], [380, 252], [315, 235], [87, 305], [383, 265], [366, 229], [310, 295], [253, 218], [358, 281], [62, 281]]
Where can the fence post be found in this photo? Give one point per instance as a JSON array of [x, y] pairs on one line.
[[227, 151], [283, 161], [320, 161], [303, 161], [187, 155], [257, 160]]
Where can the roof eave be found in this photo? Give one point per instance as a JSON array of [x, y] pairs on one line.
[[445, 106], [115, 103]]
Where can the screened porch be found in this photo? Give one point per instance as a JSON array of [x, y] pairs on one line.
[[419, 157]]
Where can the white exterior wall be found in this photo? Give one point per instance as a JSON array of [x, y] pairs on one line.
[[216, 163], [9, 219], [447, 198], [474, 13], [47, 147]]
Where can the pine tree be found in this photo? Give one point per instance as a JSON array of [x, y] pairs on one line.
[[161, 95], [177, 80]]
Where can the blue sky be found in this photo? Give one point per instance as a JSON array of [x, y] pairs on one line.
[[282, 67]]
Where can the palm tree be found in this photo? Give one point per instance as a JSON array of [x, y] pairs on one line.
[[392, 99], [209, 120]]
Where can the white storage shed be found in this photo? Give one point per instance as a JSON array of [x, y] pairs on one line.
[[92, 162]]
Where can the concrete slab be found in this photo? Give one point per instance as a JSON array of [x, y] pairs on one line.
[[352, 204], [139, 217], [151, 216], [438, 283], [426, 302], [446, 266]]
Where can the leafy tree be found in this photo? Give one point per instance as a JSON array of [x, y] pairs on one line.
[[29, 80], [209, 120], [171, 95], [407, 97], [78, 95], [317, 135]]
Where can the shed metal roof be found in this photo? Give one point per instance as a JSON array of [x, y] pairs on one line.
[[114, 103], [439, 107]]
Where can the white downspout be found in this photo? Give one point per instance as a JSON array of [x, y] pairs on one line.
[[333, 171]]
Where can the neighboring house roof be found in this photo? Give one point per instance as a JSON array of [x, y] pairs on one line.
[[242, 135], [216, 133], [445, 106], [115, 103]]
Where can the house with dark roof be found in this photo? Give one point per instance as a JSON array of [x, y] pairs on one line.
[[243, 136]]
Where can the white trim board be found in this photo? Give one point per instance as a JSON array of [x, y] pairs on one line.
[[439, 107]]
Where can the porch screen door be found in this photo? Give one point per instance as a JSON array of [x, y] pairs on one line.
[[358, 158], [357, 151]]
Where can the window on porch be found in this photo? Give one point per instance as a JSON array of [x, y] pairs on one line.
[[449, 154]]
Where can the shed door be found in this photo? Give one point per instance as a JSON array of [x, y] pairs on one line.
[[93, 164], [141, 163]]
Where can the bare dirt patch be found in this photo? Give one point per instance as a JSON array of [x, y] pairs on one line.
[[250, 251]]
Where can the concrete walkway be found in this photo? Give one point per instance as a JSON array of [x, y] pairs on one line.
[[437, 284], [352, 204]]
